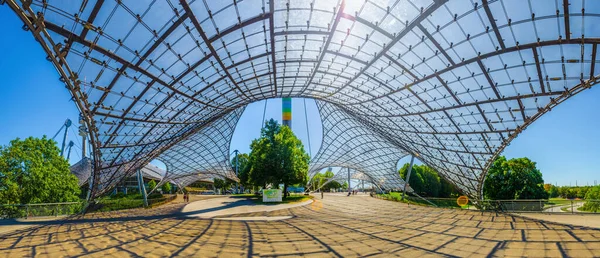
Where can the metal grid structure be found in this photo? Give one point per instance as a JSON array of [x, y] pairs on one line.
[[350, 143], [452, 81], [204, 155], [341, 176]]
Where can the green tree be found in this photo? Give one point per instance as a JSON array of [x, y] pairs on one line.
[[592, 198], [582, 191], [431, 181], [320, 178], [166, 187], [223, 184], [415, 180], [317, 180], [151, 185], [514, 179], [292, 163], [553, 191], [243, 169], [263, 157], [332, 184], [32, 171], [277, 157], [425, 181]]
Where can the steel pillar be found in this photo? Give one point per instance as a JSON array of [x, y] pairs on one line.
[[142, 187], [412, 162], [64, 141], [349, 191]]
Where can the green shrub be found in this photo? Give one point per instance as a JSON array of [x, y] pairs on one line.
[[151, 185], [166, 187], [155, 195], [118, 195], [592, 198]]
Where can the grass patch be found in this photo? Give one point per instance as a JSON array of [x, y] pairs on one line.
[[439, 202], [121, 201], [246, 195], [566, 209], [557, 201]]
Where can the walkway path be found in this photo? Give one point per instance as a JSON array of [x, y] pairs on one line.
[[333, 227], [232, 206], [558, 208]]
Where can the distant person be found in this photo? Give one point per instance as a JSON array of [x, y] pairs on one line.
[[321, 194]]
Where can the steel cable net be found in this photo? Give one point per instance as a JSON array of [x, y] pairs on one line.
[[349, 143], [204, 155], [379, 183], [453, 81]]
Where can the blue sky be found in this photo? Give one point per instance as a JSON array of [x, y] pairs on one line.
[[565, 143]]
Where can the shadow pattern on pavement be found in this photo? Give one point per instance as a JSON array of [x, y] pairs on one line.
[[343, 227]]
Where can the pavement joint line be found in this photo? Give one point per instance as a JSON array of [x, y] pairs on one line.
[[329, 225], [573, 235]]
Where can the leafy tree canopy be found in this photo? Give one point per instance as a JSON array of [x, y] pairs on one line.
[[151, 185], [243, 169], [166, 187], [321, 178], [32, 171], [514, 179], [222, 184], [592, 198], [277, 157], [425, 181]]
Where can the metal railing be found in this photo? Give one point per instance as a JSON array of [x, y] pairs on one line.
[[562, 206], [40, 209], [70, 208], [123, 203]]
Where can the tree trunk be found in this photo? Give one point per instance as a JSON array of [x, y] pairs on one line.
[[285, 190]]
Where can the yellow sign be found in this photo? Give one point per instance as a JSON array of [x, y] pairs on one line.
[[462, 200]]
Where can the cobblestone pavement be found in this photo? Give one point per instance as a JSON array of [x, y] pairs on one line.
[[335, 226]]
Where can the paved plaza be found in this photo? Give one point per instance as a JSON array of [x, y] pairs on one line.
[[337, 226]]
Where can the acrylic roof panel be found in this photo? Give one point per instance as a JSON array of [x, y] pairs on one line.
[[451, 81]]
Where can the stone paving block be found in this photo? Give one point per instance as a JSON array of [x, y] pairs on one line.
[[528, 249], [361, 226], [579, 249]]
